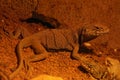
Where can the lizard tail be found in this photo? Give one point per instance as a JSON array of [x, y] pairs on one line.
[[19, 50], [20, 60]]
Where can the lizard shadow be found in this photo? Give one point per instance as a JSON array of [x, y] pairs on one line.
[[37, 21], [82, 69], [84, 50], [46, 21]]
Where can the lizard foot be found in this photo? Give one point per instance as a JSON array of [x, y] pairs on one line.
[[28, 69], [88, 47], [26, 64]]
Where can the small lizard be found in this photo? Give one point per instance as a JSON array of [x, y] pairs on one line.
[[94, 68], [56, 39], [108, 71], [113, 67]]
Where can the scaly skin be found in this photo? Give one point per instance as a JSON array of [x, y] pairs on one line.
[[113, 67], [56, 39], [109, 71], [94, 68]]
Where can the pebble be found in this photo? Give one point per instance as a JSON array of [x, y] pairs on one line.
[[46, 77]]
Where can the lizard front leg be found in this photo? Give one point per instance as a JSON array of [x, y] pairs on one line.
[[75, 53]]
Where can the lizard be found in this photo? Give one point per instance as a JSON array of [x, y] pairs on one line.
[[113, 67], [56, 39], [95, 69], [107, 71]]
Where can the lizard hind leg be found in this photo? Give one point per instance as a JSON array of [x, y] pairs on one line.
[[40, 51], [41, 54]]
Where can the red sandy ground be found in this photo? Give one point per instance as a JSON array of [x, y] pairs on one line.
[[74, 13]]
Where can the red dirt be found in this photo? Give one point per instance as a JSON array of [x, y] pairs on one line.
[[74, 13]]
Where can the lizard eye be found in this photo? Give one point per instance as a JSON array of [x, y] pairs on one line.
[[97, 27]]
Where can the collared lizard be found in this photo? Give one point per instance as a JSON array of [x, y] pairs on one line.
[[56, 39]]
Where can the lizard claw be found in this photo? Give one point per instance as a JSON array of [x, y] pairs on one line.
[[27, 68], [26, 65]]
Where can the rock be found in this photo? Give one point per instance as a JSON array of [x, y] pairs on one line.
[[46, 77]]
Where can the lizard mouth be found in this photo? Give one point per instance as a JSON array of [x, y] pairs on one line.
[[100, 31], [96, 31]]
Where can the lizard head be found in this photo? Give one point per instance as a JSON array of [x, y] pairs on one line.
[[90, 32]]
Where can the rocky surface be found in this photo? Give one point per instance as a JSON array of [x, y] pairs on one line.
[[73, 13]]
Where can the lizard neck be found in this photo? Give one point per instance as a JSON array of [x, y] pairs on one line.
[[84, 36]]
